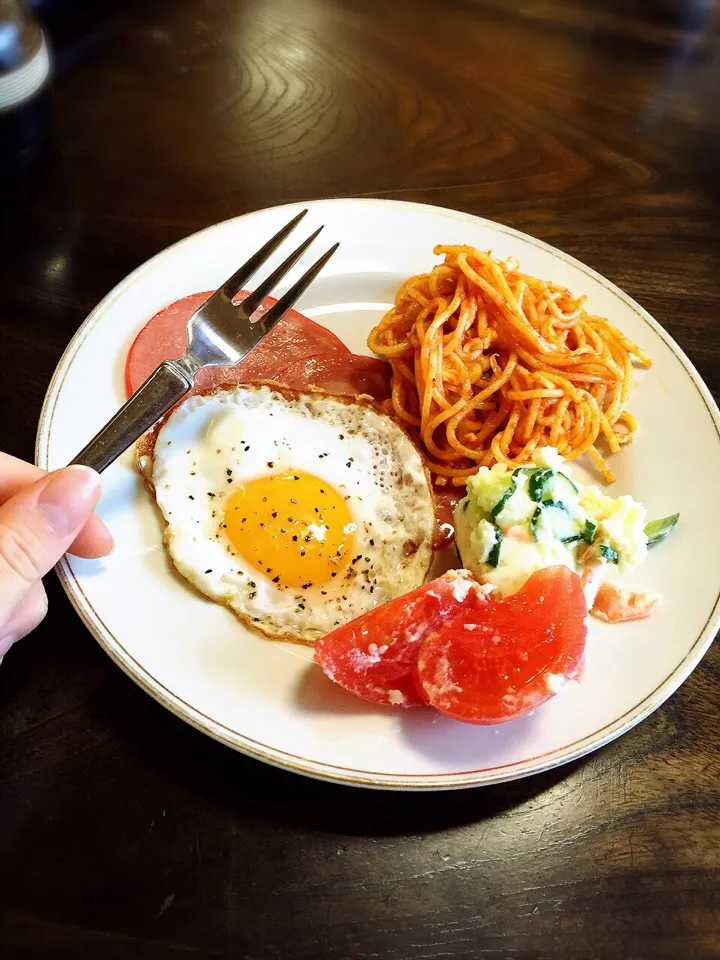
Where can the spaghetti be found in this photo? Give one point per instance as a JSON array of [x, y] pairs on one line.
[[488, 364]]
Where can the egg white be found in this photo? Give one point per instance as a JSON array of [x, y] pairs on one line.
[[211, 444]]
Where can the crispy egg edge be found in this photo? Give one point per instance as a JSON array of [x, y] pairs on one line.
[[145, 450]]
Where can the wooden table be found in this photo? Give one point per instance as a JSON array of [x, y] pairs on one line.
[[592, 124]]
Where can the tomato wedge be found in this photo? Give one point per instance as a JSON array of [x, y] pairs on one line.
[[449, 646], [502, 660], [374, 655]]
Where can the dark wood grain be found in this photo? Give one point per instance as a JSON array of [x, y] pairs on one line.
[[592, 124]]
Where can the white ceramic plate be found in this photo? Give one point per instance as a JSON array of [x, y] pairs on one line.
[[267, 699]]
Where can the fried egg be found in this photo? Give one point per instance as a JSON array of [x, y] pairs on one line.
[[299, 511]]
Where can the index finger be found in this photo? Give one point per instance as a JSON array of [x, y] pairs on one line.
[[93, 541]]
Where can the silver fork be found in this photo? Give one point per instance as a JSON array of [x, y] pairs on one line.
[[219, 334]]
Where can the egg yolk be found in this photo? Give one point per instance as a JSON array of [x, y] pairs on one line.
[[293, 527]]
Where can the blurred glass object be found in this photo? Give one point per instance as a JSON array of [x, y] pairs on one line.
[[24, 79]]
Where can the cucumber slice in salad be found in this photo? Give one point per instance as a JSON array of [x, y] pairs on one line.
[[494, 556], [607, 553], [500, 505], [541, 480], [657, 530], [541, 509], [588, 533], [537, 483]]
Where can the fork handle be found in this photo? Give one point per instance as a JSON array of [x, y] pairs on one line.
[[162, 389]]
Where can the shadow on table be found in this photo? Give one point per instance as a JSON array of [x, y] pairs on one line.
[[194, 763]]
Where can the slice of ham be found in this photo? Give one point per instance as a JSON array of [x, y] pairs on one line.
[[163, 338], [298, 353], [348, 376]]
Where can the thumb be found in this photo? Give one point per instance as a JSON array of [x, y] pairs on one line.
[[38, 525]]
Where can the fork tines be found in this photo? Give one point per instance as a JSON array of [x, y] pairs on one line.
[[236, 282], [251, 303], [254, 299], [288, 299]]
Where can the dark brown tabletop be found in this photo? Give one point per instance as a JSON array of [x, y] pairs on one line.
[[591, 124]]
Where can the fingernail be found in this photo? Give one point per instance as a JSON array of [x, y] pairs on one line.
[[69, 498]]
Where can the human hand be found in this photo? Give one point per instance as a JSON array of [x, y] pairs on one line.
[[42, 516]]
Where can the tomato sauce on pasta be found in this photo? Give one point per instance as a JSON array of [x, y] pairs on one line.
[[489, 363]]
